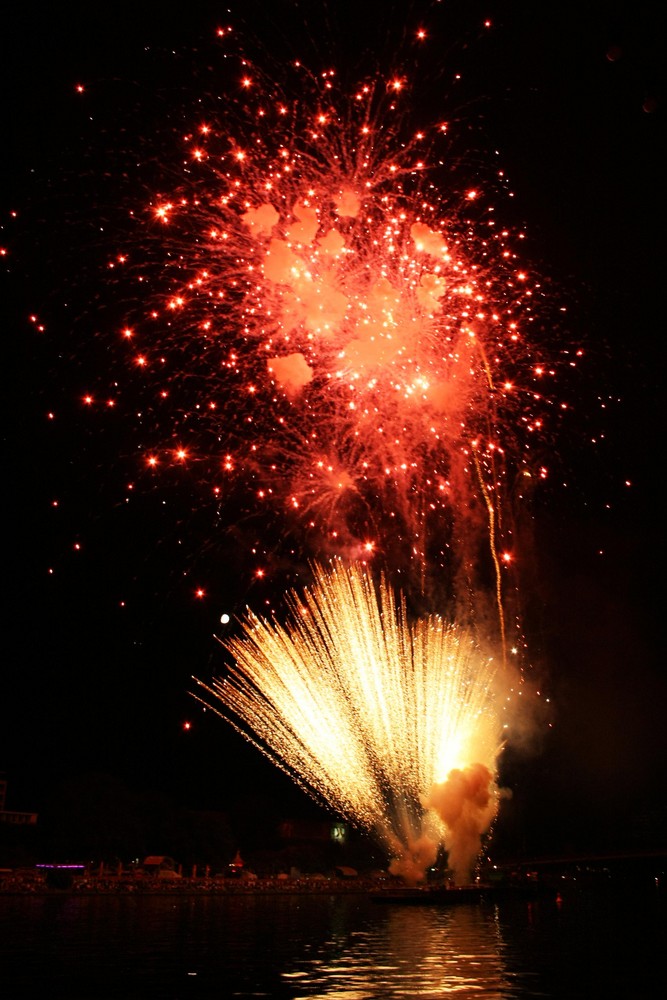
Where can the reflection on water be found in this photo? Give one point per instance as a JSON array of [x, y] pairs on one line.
[[288, 947], [411, 952]]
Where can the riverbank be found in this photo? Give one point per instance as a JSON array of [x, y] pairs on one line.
[[37, 883]]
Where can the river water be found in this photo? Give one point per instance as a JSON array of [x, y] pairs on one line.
[[139, 947]]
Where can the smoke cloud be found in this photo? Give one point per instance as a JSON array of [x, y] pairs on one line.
[[467, 803]]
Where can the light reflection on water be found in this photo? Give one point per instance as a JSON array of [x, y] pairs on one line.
[[411, 952]]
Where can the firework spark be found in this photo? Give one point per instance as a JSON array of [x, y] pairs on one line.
[[393, 724]]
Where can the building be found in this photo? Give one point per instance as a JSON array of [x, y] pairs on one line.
[[12, 816]]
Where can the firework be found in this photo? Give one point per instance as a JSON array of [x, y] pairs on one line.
[[393, 724], [339, 336]]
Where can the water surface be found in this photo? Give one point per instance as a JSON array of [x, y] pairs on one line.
[[98, 947]]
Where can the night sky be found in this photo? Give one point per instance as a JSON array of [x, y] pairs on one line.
[[103, 629]]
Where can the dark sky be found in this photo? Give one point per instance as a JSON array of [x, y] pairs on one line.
[[574, 103]]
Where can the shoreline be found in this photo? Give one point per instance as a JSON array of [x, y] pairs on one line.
[[131, 886]]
